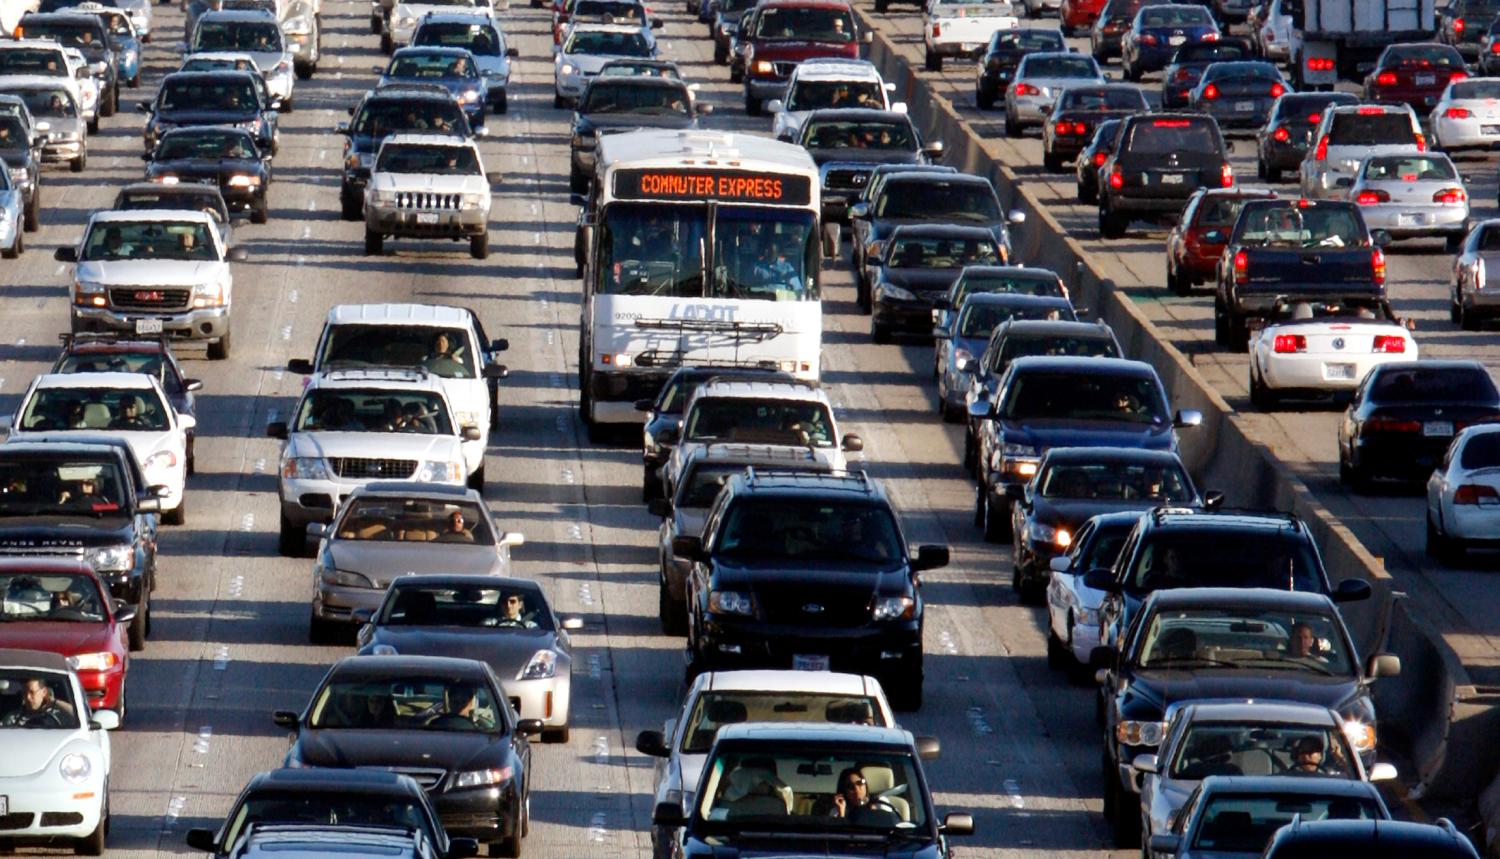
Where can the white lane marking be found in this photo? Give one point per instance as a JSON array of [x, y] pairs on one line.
[[562, 424], [201, 742], [946, 644], [548, 337], [1014, 789], [221, 658], [312, 205], [555, 379], [307, 231], [338, 76], [533, 208], [259, 467], [598, 827], [2, 381], [174, 809], [537, 238], [247, 523], [568, 477], [601, 749], [236, 586], [585, 595], [21, 341], [301, 260], [292, 295], [525, 160], [286, 332], [322, 153], [596, 667], [978, 722], [575, 531]]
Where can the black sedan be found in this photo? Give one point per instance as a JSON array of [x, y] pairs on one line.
[[224, 157], [445, 722], [1404, 415], [918, 266], [1073, 484], [1224, 643], [1002, 55], [1187, 65], [1238, 94], [1080, 110], [1283, 141], [1093, 156]]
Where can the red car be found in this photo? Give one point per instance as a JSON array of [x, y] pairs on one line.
[[58, 605], [1197, 241], [782, 33], [1414, 74], [1077, 15]]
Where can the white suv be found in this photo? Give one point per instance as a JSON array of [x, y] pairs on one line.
[[352, 427], [131, 406], [818, 84], [428, 186], [1349, 134]]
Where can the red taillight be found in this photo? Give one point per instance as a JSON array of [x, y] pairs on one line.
[[1377, 266], [1370, 198], [1148, 39], [1320, 64], [1210, 92], [1210, 36], [1370, 111], [1458, 25], [1241, 264], [1450, 196], [1171, 123], [1458, 76], [1027, 89], [1116, 181], [1314, 118], [1100, 158], [1495, 47], [1457, 113], [1277, 89], [1473, 493], [937, 29], [1389, 343], [1226, 176], [1385, 79], [1281, 135], [1321, 152], [1185, 75], [1391, 425], [1289, 343], [1421, 143]]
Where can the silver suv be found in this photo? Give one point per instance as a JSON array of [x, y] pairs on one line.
[[428, 186]]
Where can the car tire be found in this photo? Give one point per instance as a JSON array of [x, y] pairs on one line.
[[880, 334], [1125, 822], [995, 524], [933, 62], [304, 70], [578, 183], [1111, 224], [752, 104], [950, 414], [1468, 320], [33, 213], [983, 101], [510, 846], [672, 614], [178, 514], [479, 246], [1262, 397], [554, 736], [320, 631], [386, 45], [1453, 242], [502, 102], [16, 247], [1053, 163], [1058, 658], [219, 349], [1012, 127], [650, 486], [476, 480], [261, 213], [135, 81], [1353, 477], [721, 53], [351, 208], [77, 164], [375, 23], [971, 455], [1239, 332], [1273, 174], [882, 6], [1086, 194], [140, 628], [374, 243], [1435, 546], [291, 541], [557, 102]]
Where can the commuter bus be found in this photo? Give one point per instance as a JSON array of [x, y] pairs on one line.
[[696, 248]]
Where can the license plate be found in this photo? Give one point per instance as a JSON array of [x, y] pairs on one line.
[[427, 217], [810, 662], [1174, 41], [1412, 219], [1339, 371], [148, 326], [1244, 107], [4, 806], [1171, 179], [1426, 80], [1489, 129], [1437, 429], [971, 47]]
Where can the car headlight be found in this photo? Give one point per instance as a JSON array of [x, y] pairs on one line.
[[209, 295], [66, 135], [87, 294], [93, 661], [75, 768], [384, 198], [730, 602], [1361, 735], [482, 778], [111, 559], [895, 608], [897, 292], [298, 26], [474, 200], [406, 21], [128, 56], [1042, 533], [346, 579], [166, 179], [1132, 733], [160, 459], [243, 181], [724, 30], [567, 69], [305, 468], [468, 96], [960, 356], [764, 67], [383, 650], [353, 162], [437, 471], [543, 664]]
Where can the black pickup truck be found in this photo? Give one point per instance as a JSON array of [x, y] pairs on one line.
[[1287, 248]]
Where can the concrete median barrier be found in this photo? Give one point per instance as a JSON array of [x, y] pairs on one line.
[[1432, 715]]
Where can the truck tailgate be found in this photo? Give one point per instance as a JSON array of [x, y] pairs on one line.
[[967, 29], [1313, 270]]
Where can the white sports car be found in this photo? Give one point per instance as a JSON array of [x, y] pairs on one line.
[[1463, 495], [1319, 348], [1468, 115], [54, 753]]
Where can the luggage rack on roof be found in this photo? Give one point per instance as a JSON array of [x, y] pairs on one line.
[[754, 475], [382, 372], [1288, 517], [760, 451]]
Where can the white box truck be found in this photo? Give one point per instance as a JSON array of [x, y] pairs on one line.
[[1342, 38]]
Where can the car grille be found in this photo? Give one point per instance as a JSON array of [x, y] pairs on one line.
[[792, 609], [783, 69], [428, 200], [149, 298], [428, 777], [361, 467], [846, 179], [42, 551]]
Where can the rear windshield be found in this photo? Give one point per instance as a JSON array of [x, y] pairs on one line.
[[1219, 211], [1244, 824], [606, 43], [1477, 89], [1046, 284], [1196, 558], [925, 199], [1174, 16], [231, 95], [1061, 67], [1290, 226], [1359, 128], [32, 61], [1481, 451], [1163, 136], [1308, 108], [1210, 53], [933, 252], [753, 421], [1079, 347], [979, 319], [1029, 41], [1432, 385], [1068, 396], [478, 38], [1242, 72], [1104, 99], [600, 8], [1411, 168], [1423, 57], [631, 98]]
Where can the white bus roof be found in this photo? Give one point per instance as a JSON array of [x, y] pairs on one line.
[[699, 148]]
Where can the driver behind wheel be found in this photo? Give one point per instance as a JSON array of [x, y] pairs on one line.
[[513, 612]]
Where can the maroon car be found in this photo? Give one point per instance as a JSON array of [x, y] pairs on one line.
[[782, 33], [1414, 74], [1197, 241], [1078, 15]]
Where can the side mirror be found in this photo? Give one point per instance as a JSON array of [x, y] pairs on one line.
[[146, 156], [577, 199], [201, 839], [704, 109], [192, 385], [1015, 492], [512, 53], [277, 429], [652, 743], [867, 37], [1352, 590], [958, 823], [1060, 564], [285, 719], [300, 366], [481, 131], [1214, 237], [1165, 843], [495, 372], [775, 105], [1015, 217], [494, 177], [645, 405], [1384, 665], [379, 70], [980, 410], [1343, 182], [1102, 579], [667, 435], [657, 23], [659, 507], [462, 848], [1187, 418], [529, 727], [512, 539], [933, 149], [1228, 145], [1213, 499], [237, 255], [1383, 772], [341, 128], [66, 254], [930, 558], [941, 333], [471, 433], [668, 814], [145, 107], [898, 106], [1103, 657], [968, 365], [316, 531], [852, 443], [689, 547], [859, 210], [125, 613], [928, 748], [276, 104], [500, 344], [571, 624], [1144, 764], [105, 720], [187, 422]]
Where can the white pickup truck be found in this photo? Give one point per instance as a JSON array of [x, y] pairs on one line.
[[961, 28]]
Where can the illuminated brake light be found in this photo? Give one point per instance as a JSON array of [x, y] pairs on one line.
[[1473, 493], [1100, 158], [1210, 92], [1385, 79], [1457, 113], [1289, 343], [1377, 266], [1185, 75], [1116, 180], [1314, 118], [1210, 36], [1277, 89], [1319, 64], [1148, 39], [1371, 198], [1458, 76], [1458, 25], [1241, 265], [1450, 196], [1369, 110], [1421, 143], [1389, 343], [1226, 176], [1281, 135], [1172, 123], [1027, 89], [1390, 425], [1495, 47], [1321, 152], [937, 29]]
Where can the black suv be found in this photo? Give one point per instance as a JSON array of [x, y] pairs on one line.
[[114, 530], [1159, 161], [612, 104], [381, 113], [810, 571], [211, 98], [1374, 839]]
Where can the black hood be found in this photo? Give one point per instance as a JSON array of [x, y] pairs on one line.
[[1168, 687], [202, 168], [65, 532], [205, 116], [451, 750], [588, 123], [920, 279], [864, 156], [1073, 512]]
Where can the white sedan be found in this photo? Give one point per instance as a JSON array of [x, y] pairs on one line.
[[1463, 495], [1419, 195], [1467, 116], [130, 406], [1319, 348], [54, 753], [1072, 606]]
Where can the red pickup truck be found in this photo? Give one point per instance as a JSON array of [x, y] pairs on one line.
[[779, 34]]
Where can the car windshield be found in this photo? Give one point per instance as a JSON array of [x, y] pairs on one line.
[[70, 487], [1411, 168], [1228, 749], [1291, 226], [1422, 57], [1038, 283], [717, 708], [124, 409], [1432, 385], [410, 703], [63, 597], [12, 132], [817, 95], [623, 68], [428, 160], [419, 65], [470, 607], [355, 410], [1175, 16], [876, 134], [480, 39], [1072, 345], [1219, 210], [444, 352], [1030, 41], [1200, 52], [201, 94], [1166, 136], [627, 97], [923, 198], [1103, 99], [1371, 127], [208, 143], [609, 43], [599, 8], [1244, 823], [419, 520], [315, 808], [810, 789], [1068, 396], [205, 200], [1476, 89], [1244, 638], [121, 361], [383, 117], [46, 103], [256, 36], [163, 240], [32, 61], [1059, 67], [37, 699], [1116, 481], [805, 24], [71, 34], [702, 486], [210, 64], [937, 252], [1304, 311], [1099, 549], [751, 420], [791, 529], [1481, 451], [1195, 558], [978, 319]]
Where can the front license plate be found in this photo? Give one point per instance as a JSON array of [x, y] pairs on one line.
[[148, 326], [427, 217], [810, 662], [1172, 179], [1426, 80], [1437, 429]]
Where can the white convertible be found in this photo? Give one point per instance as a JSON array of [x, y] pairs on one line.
[[1324, 347], [55, 753]]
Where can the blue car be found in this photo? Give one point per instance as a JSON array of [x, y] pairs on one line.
[[453, 69], [1158, 31], [968, 332], [123, 40]]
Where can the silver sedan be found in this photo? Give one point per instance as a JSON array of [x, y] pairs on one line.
[[1037, 82], [1473, 298], [1418, 195]]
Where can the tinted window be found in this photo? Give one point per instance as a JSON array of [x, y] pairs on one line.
[[209, 143], [979, 319], [1195, 558], [227, 95], [1244, 824], [1356, 128], [420, 66], [1286, 225], [1411, 168], [607, 43], [805, 23], [1103, 549], [1116, 481], [333, 809], [1219, 211], [1060, 67], [1104, 99], [1030, 41], [769, 421], [1308, 107], [923, 198], [938, 252], [1477, 89], [478, 38], [1068, 396], [718, 708], [1481, 451], [881, 135], [1164, 136], [1432, 385], [810, 529], [29, 487], [383, 117], [257, 36], [1026, 346], [1208, 53], [1245, 638], [626, 98], [471, 607], [1423, 57], [1242, 72], [1174, 16]]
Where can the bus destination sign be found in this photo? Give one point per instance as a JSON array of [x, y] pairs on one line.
[[724, 186]]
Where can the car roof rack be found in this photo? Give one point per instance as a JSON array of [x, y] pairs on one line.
[[754, 475], [1286, 516]]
